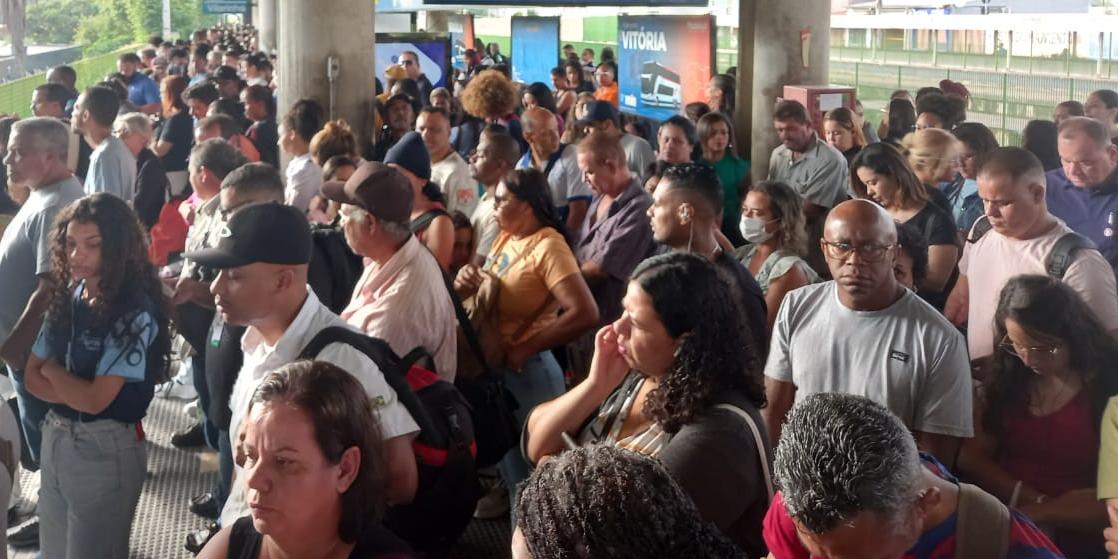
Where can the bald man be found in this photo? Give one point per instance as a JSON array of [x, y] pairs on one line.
[[569, 191], [864, 333]]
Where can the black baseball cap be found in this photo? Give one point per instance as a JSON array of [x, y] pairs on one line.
[[270, 233], [226, 73], [597, 111]]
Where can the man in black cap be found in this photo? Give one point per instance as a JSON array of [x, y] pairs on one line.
[[601, 116], [401, 297], [229, 86], [399, 119], [263, 256]]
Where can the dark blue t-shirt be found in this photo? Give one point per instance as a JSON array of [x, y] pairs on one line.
[[1091, 212], [88, 349]]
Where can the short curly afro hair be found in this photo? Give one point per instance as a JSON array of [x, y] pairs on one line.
[[490, 95]]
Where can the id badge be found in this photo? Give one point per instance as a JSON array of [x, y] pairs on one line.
[[216, 329]]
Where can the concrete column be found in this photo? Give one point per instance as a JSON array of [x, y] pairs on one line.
[[310, 33], [265, 18], [775, 57]]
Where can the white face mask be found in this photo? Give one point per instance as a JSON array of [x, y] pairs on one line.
[[753, 230]]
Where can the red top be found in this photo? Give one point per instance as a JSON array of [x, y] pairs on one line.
[[1054, 454]]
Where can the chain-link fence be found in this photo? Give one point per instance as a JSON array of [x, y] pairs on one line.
[[15, 96]]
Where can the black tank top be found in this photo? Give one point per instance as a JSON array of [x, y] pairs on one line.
[[376, 543]]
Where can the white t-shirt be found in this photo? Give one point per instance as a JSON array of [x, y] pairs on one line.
[[992, 261], [261, 359], [485, 225], [452, 174], [906, 357], [304, 181]]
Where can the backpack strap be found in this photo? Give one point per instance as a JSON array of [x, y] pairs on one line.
[[758, 440], [982, 525], [386, 360], [555, 157], [980, 228], [424, 220], [466, 326], [1063, 253]]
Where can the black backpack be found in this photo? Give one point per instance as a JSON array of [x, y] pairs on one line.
[[334, 268], [1058, 261], [448, 488]]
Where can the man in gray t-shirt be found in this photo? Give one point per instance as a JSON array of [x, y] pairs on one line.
[[112, 168], [36, 157], [865, 334]]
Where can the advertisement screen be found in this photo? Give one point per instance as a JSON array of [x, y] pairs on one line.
[[461, 29], [535, 48], [433, 50], [664, 62]]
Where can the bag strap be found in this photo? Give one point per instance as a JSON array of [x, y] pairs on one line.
[[757, 440], [555, 157], [1063, 252], [532, 319], [980, 228], [982, 525], [424, 220]]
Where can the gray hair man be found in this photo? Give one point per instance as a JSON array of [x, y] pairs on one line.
[[852, 484], [36, 158]]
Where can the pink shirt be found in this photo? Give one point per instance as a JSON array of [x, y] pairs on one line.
[[992, 261], [405, 303]]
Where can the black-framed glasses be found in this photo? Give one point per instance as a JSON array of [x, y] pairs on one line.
[[870, 252], [1016, 350]]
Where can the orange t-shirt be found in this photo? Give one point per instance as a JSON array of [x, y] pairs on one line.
[[608, 93]]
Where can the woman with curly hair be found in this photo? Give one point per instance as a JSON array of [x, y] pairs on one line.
[[772, 221], [493, 97], [675, 378], [1036, 422], [603, 501], [103, 347], [335, 138]]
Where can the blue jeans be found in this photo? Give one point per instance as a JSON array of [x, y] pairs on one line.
[[31, 413], [92, 476], [198, 364], [540, 380]]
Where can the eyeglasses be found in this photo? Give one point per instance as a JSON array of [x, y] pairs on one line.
[[1016, 350], [870, 252]]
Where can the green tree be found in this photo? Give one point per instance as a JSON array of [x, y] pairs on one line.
[[56, 21]]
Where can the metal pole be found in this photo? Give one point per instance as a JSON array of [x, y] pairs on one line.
[[167, 19], [935, 47], [1005, 106], [1009, 52]]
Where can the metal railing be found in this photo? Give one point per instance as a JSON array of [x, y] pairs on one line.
[[1057, 65], [15, 96], [1003, 101]]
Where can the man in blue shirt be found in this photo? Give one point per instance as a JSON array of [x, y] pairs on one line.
[[1084, 192], [142, 91]]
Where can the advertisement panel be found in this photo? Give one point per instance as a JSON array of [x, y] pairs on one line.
[[535, 48], [664, 62], [433, 50], [461, 27]]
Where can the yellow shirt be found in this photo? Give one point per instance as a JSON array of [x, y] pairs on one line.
[[529, 268], [1108, 452]]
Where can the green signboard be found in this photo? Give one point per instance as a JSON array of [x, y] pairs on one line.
[[225, 6]]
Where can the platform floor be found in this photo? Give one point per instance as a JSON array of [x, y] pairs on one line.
[[174, 476]]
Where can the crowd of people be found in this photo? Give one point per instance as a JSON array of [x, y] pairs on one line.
[[515, 301]]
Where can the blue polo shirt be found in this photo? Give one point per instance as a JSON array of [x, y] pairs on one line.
[[1091, 212], [142, 90]]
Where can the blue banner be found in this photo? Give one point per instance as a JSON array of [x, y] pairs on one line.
[[433, 51], [664, 62], [535, 48], [461, 27], [224, 6]]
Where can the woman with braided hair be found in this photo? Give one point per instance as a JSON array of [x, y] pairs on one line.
[[602, 501], [675, 378]]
